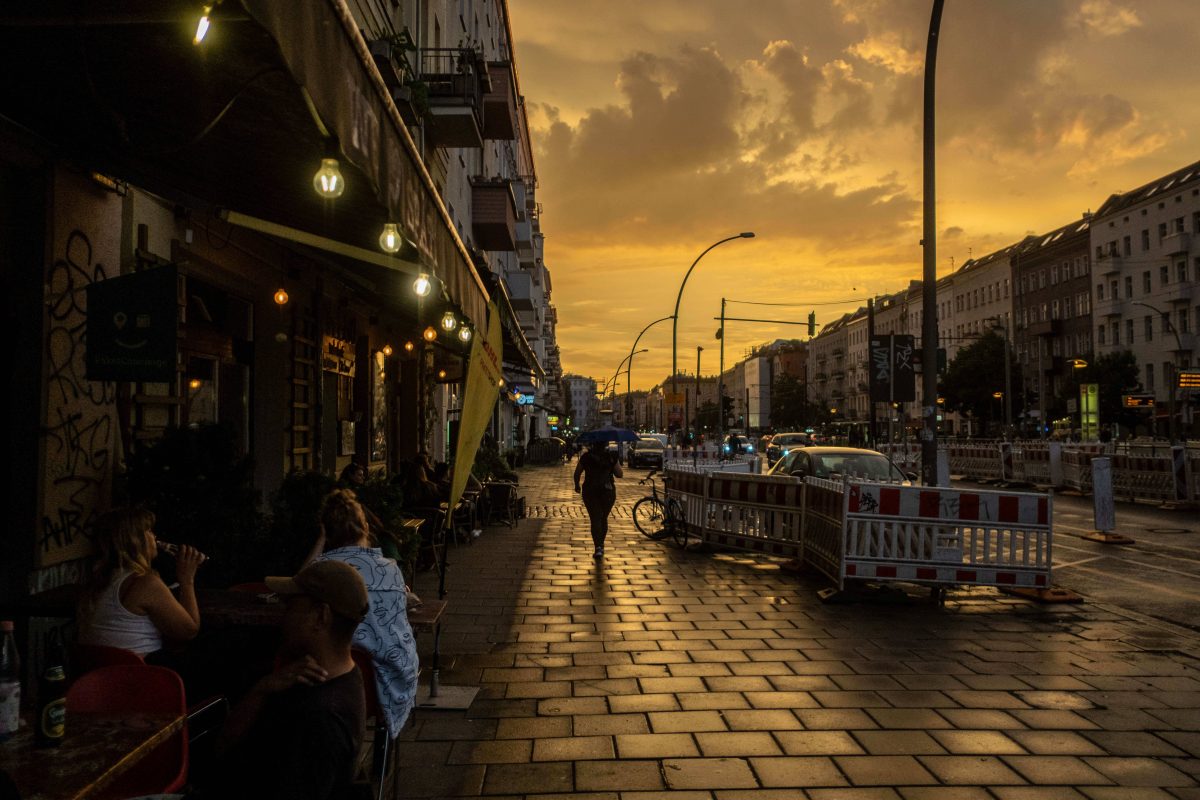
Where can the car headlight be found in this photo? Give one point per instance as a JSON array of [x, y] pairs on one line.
[[749, 448], [785, 452]]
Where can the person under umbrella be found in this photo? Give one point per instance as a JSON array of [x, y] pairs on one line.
[[599, 470]]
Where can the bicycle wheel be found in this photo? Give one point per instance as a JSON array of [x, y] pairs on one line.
[[648, 517], [676, 523]]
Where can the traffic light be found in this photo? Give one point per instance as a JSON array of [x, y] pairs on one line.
[[812, 323]]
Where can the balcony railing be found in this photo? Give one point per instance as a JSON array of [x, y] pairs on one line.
[[456, 80], [1108, 307], [1178, 292], [493, 214], [500, 103], [1176, 243], [1109, 264]]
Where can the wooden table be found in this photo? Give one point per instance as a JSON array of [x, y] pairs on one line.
[[97, 749], [222, 608]]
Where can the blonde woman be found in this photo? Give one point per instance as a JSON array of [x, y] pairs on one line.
[[386, 633], [126, 604]]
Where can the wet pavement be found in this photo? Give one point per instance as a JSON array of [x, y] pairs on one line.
[[689, 675]]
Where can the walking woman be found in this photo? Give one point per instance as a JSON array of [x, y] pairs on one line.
[[599, 470]]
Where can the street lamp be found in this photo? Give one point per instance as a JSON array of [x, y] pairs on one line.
[[619, 371], [679, 297], [629, 372], [1000, 325], [1170, 379]]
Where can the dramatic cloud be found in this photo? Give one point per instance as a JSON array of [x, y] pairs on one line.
[[1105, 18]]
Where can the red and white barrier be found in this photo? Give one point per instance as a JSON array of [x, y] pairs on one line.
[[760, 513]]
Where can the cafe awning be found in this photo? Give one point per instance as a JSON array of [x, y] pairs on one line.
[[236, 124]]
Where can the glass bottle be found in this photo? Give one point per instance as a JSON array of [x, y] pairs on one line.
[[10, 682], [51, 717]]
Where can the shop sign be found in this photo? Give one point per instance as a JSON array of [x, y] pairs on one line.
[[132, 327], [337, 356]]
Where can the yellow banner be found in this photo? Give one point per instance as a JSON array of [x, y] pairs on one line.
[[484, 375]]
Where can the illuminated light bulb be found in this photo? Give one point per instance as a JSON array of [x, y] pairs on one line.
[[464, 333], [328, 181], [429, 334], [389, 240], [441, 373], [202, 26], [281, 297], [501, 384], [408, 347], [449, 321], [422, 285], [387, 350], [194, 383]]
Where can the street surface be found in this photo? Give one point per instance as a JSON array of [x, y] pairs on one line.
[[721, 677]]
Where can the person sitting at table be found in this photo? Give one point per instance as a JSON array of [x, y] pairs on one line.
[[297, 733], [125, 603], [420, 490], [386, 633]]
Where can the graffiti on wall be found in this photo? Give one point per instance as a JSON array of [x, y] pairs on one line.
[[78, 434]]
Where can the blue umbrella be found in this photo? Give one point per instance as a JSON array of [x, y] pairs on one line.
[[607, 435]]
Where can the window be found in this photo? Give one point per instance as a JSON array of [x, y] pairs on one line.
[[1146, 282], [1115, 330], [1177, 227], [1112, 293], [1149, 329], [1042, 312], [1099, 291], [1182, 325], [1084, 304], [1056, 346], [1041, 279], [1129, 331], [1054, 275], [1181, 270], [1164, 275], [1006, 287], [1196, 222], [1100, 334], [1166, 323], [1068, 307], [1127, 246], [1099, 252], [1162, 231], [1149, 377], [1128, 286], [1055, 310], [1145, 239]]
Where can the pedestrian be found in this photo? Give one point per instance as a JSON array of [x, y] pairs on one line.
[[599, 470]]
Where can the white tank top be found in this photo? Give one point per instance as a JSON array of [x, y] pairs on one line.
[[113, 625]]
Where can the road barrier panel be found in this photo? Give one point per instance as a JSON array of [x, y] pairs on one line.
[[759, 513], [943, 468], [1103, 508], [1055, 452], [943, 536]]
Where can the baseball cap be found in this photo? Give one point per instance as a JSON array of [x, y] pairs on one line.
[[334, 583]]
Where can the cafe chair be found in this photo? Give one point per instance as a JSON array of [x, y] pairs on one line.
[[502, 502], [131, 689], [377, 722], [433, 538], [87, 657]]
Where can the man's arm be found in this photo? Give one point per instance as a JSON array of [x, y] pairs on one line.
[[578, 472]]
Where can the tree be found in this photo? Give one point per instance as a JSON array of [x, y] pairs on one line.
[[975, 375], [790, 409], [1117, 374]]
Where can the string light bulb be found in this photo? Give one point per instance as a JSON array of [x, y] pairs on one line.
[[441, 374], [429, 334], [202, 26], [501, 384], [422, 285], [281, 297], [389, 240], [194, 383], [386, 350], [328, 181], [464, 333], [408, 347], [449, 321]]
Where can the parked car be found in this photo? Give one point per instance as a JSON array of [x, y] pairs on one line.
[[735, 443], [836, 462], [662, 438], [783, 443], [645, 452]]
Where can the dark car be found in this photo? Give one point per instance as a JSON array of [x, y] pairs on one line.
[[645, 452], [837, 462], [735, 443], [783, 443]]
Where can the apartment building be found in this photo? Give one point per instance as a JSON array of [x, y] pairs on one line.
[[583, 408]]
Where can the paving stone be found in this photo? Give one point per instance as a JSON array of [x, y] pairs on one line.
[[909, 718], [1037, 793], [1131, 793], [1055, 743], [574, 748], [850, 699], [533, 727], [977, 742], [817, 743], [621, 704], [686, 721], [944, 793], [656, 745], [1138, 771], [738, 743], [693, 701], [835, 719], [1184, 740], [1051, 719], [436, 780], [893, 743], [607, 724], [1057, 770], [499, 751], [797, 771], [1132, 743], [621, 776], [708, 773], [529, 778], [985, 770], [884, 770]]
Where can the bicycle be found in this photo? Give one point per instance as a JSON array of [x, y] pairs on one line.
[[658, 517]]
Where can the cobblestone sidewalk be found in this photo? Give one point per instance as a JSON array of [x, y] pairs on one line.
[[659, 673]]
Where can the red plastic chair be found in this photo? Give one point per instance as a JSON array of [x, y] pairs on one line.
[[380, 741], [132, 688], [87, 657]]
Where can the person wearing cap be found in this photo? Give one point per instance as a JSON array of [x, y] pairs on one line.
[[297, 732], [386, 633]]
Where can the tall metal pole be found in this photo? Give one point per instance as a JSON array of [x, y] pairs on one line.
[[629, 374], [870, 366], [929, 327], [721, 382], [1007, 385], [679, 297], [698, 350]]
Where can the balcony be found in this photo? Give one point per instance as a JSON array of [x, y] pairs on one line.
[[838, 374], [520, 292], [1187, 342], [1176, 244], [838, 351], [1046, 327], [1178, 292], [493, 214], [456, 79], [524, 240], [500, 104], [1108, 307], [1109, 264], [821, 377]]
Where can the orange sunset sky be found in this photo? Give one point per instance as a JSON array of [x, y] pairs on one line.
[[661, 126]]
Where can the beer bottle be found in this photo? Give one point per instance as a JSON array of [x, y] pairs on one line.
[[52, 701], [10, 682]]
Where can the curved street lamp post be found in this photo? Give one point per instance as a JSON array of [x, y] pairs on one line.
[[679, 297], [629, 372], [1170, 380]]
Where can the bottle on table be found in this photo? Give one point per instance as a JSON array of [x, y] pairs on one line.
[[52, 701], [10, 682]]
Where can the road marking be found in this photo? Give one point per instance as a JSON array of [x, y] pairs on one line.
[[1158, 587], [1077, 563]]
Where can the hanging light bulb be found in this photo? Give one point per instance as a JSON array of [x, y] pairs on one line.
[[422, 285], [194, 383], [202, 26], [386, 350], [501, 384], [464, 333], [449, 321], [429, 334], [408, 347], [328, 181], [441, 374], [389, 240], [281, 297]]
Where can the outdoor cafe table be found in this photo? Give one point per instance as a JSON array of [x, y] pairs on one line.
[[97, 749], [221, 608]]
